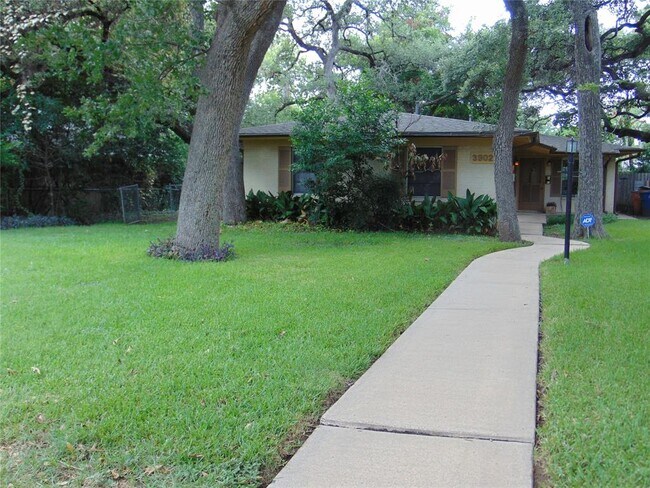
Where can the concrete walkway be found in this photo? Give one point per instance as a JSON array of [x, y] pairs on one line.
[[452, 401]]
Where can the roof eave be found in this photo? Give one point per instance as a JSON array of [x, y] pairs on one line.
[[272, 134]]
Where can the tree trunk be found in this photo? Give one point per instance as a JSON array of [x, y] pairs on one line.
[[234, 204], [507, 223], [218, 117], [197, 13], [587, 78], [234, 210]]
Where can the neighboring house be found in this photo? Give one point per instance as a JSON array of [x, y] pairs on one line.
[[467, 162]]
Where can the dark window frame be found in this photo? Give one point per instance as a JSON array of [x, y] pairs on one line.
[[298, 185], [576, 175], [434, 177]]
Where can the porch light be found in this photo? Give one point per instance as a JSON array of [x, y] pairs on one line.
[[572, 146]]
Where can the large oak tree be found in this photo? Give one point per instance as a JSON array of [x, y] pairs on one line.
[[507, 223], [587, 77], [218, 117], [234, 210]]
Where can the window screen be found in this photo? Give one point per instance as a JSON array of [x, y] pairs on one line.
[[300, 179], [427, 182]]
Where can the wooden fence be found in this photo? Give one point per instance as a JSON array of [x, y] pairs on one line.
[[627, 183]]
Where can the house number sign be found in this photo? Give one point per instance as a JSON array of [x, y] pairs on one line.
[[482, 158]]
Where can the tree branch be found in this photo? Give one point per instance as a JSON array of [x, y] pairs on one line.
[[369, 56], [637, 26], [641, 135]]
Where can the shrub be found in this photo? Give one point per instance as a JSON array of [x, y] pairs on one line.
[[384, 197], [556, 219], [373, 208], [17, 222], [381, 208], [472, 214], [168, 250], [341, 142], [423, 216], [260, 206], [469, 215], [560, 219], [284, 207]]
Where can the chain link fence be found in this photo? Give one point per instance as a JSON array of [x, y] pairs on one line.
[[149, 205], [129, 203]]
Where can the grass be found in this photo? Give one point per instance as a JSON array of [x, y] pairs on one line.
[[555, 225], [120, 368], [596, 357]]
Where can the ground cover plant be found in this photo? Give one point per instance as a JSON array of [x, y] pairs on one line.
[[475, 215], [19, 221], [120, 369], [555, 223], [594, 378]]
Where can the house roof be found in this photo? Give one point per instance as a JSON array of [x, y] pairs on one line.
[[427, 125], [268, 130], [558, 145], [407, 125], [414, 125]]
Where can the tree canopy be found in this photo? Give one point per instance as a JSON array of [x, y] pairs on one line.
[[106, 91]]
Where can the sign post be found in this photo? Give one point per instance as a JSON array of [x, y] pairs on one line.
[[587, 220], [571, 149]]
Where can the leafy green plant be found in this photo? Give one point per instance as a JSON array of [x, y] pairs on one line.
[[168, 250], [287, 206], [423, 216], [284, 207], [17, 221], [472, 214], [341, 142], [261, 206], [469, 215], [557, 219], [608, 218]]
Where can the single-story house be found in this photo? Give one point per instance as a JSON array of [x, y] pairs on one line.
[[467, 163]]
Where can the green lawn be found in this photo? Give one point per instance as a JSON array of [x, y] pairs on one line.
[[117, 366], [596, 363]]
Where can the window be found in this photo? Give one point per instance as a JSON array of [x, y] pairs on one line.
[[300, 179], [576, 174], [558, 180], [288, 180], [427, 180]]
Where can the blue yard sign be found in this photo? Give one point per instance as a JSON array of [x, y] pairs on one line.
[[587, 220]]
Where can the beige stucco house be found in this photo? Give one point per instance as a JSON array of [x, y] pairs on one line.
[[467, 164]]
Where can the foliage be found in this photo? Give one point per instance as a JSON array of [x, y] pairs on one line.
[[561, 219], [342, 142], [469, 215], [93, 91], [557, 219], [385, 209], [168, 250], [18, 222], [422, 216], [283, 207], [405, 50], [593, 379], [378, 211], [201, 375], [625, 66]]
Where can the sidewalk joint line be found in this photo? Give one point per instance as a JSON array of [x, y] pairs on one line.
[[446, 435]]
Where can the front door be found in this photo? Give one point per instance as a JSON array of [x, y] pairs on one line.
[[531, 185]]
